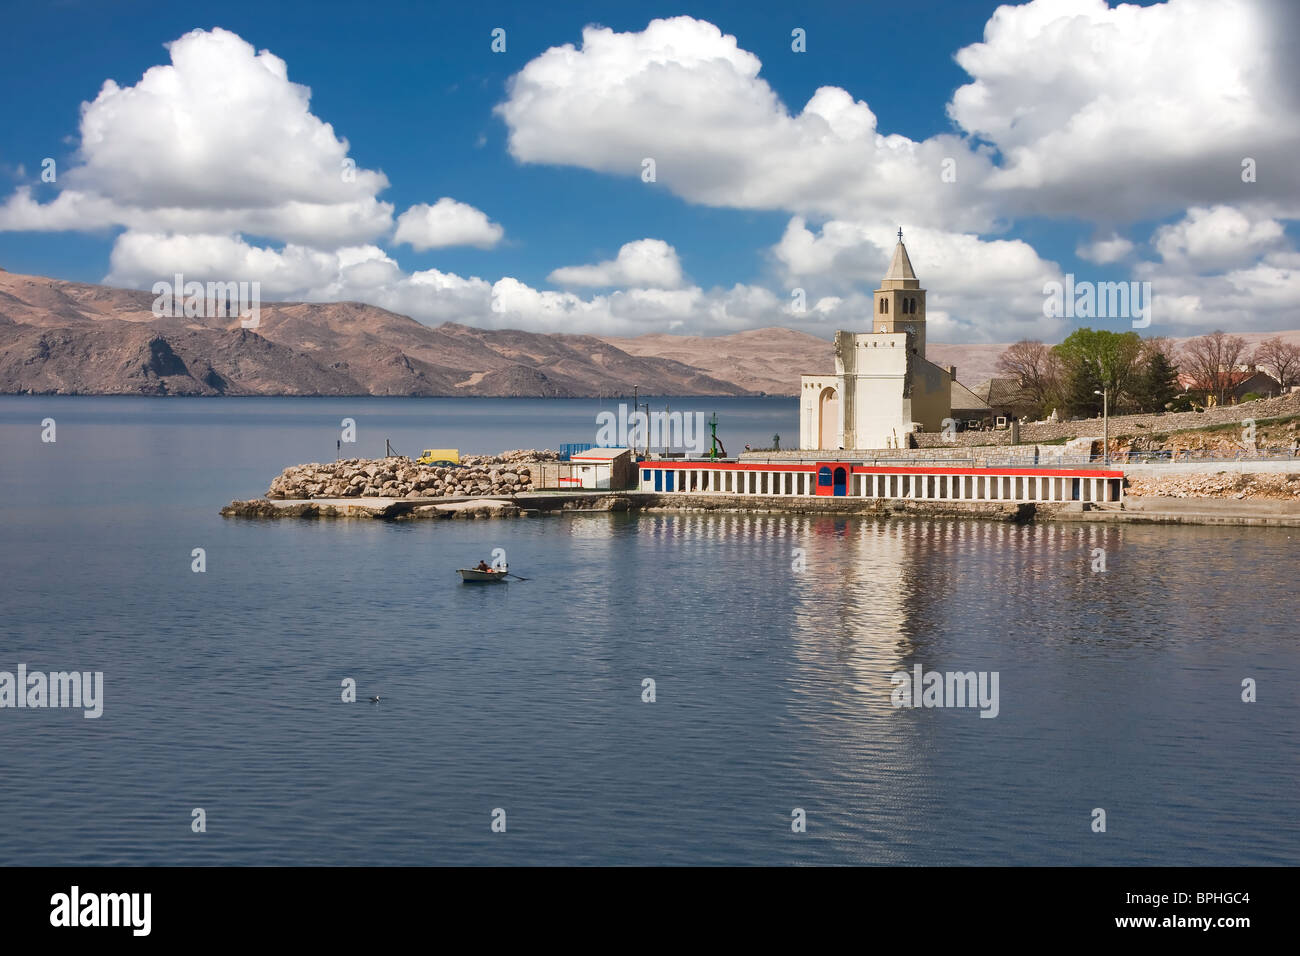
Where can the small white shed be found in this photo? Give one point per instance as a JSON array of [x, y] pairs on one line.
[[602, 468]]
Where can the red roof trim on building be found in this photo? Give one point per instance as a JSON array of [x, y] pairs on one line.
[[1043, 471], [683, 465]]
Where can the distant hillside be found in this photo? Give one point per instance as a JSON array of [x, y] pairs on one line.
[[771, 360], [762, 360], [77, 338]]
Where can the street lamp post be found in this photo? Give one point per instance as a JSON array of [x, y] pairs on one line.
[[1105, 423]]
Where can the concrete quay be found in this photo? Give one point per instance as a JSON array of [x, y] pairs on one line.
[[1147, 510]]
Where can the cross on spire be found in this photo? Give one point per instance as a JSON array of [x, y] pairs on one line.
[[900, 233]]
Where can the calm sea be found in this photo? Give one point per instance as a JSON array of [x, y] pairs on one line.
[[770, 640]]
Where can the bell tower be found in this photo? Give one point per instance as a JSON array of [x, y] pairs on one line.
[[900, 300]]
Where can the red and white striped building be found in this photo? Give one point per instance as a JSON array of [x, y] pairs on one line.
[[931, 482]]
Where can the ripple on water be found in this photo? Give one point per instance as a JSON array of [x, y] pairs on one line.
[[223, 690]]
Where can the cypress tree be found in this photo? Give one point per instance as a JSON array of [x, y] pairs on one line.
[[1159, 382]]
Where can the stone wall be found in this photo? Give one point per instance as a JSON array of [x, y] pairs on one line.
[[957, 454], [910, 456], [1283, 405]]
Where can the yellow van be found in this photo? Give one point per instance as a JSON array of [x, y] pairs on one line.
[[440, 456]]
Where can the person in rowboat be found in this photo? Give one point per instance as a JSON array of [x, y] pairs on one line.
[[483, 566]]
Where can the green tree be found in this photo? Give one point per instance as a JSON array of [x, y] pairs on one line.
[[1157, 384], [1095, 358]]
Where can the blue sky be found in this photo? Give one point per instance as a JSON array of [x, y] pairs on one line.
[[414, 89]]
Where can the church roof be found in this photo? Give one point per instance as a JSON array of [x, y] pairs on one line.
[[901, 266], [900, 274]]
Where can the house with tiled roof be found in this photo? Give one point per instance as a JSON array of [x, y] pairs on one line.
[[967, 407], [1242, 381], [1005, 398]]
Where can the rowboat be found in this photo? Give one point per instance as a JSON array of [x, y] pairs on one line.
[[473, 575]]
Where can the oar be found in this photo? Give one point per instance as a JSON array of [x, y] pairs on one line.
[[512, 574]]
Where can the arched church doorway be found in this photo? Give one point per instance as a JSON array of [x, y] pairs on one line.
[[828, 419]]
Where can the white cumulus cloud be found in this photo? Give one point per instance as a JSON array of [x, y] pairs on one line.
[[219, 140], [365, 273], [1217, 238], [1184, 113], [1105, 251], [1223, 267], [1075, 108], [1113, 114], [446, 223], [622, 98], [977, 290], [644, 263]]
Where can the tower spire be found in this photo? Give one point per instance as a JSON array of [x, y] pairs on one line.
[[900, 300], [900, 268]]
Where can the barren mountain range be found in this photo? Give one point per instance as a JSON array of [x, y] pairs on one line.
[[60, 337], [771, 360], [76, 338]]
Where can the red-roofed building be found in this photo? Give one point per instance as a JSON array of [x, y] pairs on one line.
[[1242, 381]]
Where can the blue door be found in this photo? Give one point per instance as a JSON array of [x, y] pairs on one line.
[[1074, 489], [841, 481], [668, 480], [659, 479]]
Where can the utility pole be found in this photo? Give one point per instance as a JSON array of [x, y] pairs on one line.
[[1105, 414], [635, 390], [1105, 423]]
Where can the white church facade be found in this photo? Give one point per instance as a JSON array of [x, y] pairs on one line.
[[883, 388]]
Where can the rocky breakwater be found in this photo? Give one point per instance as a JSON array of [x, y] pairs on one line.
[[397, 487], [476, 476]]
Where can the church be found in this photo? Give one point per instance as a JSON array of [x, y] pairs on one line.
[[883, 389]]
